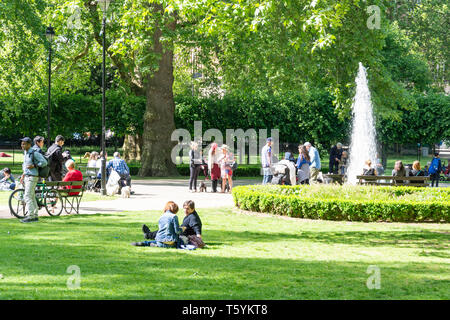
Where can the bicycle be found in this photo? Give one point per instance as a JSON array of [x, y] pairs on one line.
[[49, 198]]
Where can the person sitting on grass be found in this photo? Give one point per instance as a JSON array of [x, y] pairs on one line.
[[168, 234], [191, 226], [7, 182], [73, 175]]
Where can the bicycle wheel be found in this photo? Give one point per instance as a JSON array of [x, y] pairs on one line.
[[17, 204], [54, 203]]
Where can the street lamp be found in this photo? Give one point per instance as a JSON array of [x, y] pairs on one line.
[[104, 5], [50, 34]]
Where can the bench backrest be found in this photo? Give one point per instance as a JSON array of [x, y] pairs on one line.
[[61, 186], [394, 178]]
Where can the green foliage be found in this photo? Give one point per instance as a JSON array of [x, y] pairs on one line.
[[400, 204], [299, 119], [427, 123]]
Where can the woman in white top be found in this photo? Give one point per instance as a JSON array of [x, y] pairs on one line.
[[92, 163], [225, 161]]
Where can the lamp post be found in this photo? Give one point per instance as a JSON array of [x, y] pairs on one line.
[[50, 34], [104, 5]]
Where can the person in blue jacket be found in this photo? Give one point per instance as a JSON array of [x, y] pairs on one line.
[[168, 235], [435, 169]]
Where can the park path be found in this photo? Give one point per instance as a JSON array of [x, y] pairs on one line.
[[153, 195]]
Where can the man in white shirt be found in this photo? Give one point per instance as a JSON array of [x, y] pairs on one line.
[[266, 161]]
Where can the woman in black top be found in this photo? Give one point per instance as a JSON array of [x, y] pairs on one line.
[[195, 162]]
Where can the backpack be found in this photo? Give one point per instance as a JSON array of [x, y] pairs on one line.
[[43, 172], [434, 166]]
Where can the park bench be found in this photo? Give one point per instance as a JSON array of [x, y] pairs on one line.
[[69, 202], [394, 181], [337, 178]]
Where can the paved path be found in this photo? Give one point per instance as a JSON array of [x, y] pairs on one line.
[[153, 195]]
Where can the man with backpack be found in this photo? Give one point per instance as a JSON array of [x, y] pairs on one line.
[[435, 169], [32, 161], [55, 159]]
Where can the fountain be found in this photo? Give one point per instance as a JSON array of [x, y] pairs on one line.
[[363, 140]]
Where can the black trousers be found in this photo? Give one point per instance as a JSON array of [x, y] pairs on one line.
[[194, 171], [435, 178], [333, 167], [214, 185]]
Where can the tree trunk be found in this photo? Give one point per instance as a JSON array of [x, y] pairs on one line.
[[159, 117], [132, 146]]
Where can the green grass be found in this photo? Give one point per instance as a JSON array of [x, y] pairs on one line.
[[248, 257]]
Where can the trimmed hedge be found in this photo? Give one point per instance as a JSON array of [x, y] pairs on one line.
[[183, 170], [289, 201]]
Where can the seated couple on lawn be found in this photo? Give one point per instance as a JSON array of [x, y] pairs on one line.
[[170, 234]]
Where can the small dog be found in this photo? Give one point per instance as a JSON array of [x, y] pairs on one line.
[[203, 187], [126, 192]]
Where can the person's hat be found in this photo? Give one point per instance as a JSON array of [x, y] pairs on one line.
[[26, 139], [269, 139]]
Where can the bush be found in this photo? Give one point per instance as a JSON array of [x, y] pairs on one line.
[[352, 203]]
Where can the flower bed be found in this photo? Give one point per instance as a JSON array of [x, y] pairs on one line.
[[352, 203]]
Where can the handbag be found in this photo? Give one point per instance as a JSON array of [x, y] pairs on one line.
[[196, 241]]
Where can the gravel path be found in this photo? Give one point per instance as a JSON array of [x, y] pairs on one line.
[[153, 195]]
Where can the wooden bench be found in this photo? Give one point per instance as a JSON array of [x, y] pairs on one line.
[[70, 202], [394, 181], [338, 178]]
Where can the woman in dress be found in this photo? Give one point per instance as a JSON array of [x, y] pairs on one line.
[[225, 162], [213, 165]]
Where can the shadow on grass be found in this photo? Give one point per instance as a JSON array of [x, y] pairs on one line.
[[34, 261]]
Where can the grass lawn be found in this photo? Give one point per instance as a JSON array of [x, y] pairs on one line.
[[248, 257]]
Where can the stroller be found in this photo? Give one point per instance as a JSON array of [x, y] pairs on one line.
[[284, 173]]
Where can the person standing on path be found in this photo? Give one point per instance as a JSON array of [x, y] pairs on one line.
[[266, 161], [315, 161], [213, 166], [335, 158], [56, 159], [435, 170], [31, 162], [195, 162], [303, 163]]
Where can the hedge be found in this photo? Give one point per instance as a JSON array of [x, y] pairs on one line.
[[272, 199], [183, 170]]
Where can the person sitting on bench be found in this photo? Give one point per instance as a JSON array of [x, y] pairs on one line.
[[120, 166], [72, 175]]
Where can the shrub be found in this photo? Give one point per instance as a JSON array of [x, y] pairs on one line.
[[352, 203]]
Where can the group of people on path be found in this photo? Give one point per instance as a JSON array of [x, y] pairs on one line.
[[220, 165], [307, 166]]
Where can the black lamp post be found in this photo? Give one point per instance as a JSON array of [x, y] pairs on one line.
[[104, 4], [50, 34]]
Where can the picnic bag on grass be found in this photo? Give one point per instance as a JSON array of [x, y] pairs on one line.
[[196, 241]]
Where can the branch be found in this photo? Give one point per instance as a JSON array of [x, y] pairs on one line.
[[136, 87]]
